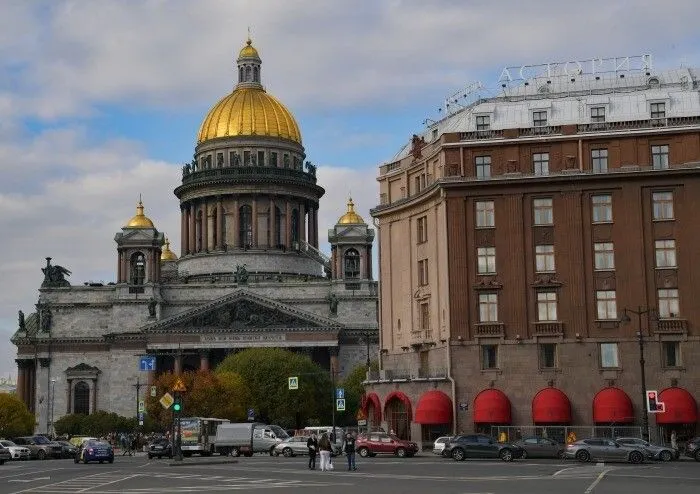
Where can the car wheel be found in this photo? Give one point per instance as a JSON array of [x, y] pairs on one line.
[[524, 455], [2, 462], [697, 455], [560, 454], [41, 455], [583, 456], [235, 452], [506, 454], [458, 454], [76, 459], [364, 452], [150, 457], [287, 452], [666, 455], [636, 457], [401, 453], [101, 462], [111, 460], [85, 461]]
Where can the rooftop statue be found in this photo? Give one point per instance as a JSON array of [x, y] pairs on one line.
[[54, 276]]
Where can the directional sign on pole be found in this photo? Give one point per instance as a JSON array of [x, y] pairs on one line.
[[340, 393], [142, 406], [293, 382], [167, 400], [147, 363], [340, 404]]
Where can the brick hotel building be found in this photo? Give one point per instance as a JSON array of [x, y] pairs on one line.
[[514, 233]]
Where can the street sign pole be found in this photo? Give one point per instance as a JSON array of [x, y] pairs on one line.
[[178, 438]]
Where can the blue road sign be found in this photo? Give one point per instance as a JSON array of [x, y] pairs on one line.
[[251, 414], [141, 416], [147, 363], [340, 393]]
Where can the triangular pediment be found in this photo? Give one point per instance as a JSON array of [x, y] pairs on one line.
[[133, 235], [242, 310], [82, 367]]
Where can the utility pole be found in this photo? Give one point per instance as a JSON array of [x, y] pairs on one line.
[[626, 318], [138, 387]]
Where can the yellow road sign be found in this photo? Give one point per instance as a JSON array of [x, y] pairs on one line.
[[167, 400], [179, 386]]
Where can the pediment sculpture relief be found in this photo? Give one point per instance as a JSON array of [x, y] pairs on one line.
[[245, 314]]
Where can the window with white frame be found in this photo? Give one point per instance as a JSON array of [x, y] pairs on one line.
[[485, 217], [665, 253], [609, 357], [657, 110], [546, 306], [662, 205], [543, 211], [597, 114], [486, 260], [544, 258], [659, 157], [668, 303], [483, 122], [540, 163], [539, 118], [604, 256], [599, 160], [606, 304], [602, 208], [483, 166], [488, 307]]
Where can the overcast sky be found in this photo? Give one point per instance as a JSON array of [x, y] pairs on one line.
[[102, 100]]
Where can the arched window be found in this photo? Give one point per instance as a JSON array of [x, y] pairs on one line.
[[245, 215], [81, 398], [214, 236], [138, 269], [352, 263], [198, 230], [295, 225], [248, 74], [240, 74], [256, 74]]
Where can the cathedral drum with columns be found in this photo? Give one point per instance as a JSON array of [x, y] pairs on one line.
[[250, 273]]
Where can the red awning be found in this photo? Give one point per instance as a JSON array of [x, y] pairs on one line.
[[398, 395], [434, 408], [612, 405], [372, 399], [681, 407], [551, 406], [491, 406]]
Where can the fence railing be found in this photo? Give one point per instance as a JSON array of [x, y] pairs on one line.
[[561, 433]]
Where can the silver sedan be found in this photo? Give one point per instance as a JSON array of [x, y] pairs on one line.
[[292, 446], [663, 453], [601, 448]]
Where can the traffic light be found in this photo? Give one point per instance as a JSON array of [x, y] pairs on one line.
[[177, 406], [653, 403]]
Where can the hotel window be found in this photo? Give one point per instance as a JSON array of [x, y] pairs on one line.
[[665, 253], [423, 272], [486, 257], [539, 118], [422, 229], [657, 110], [602, 209], [598, 114], [606, 304], [489, 357], [608, 355], [543, 211], [483, 166], [659, 157], [485, 217], [425, 315], [540, 163], [488, 307], [546, 306], [548, 355], [483, 122], [273, 158], [544, 258], [599, 160], [668, 303], [604, 256], [662, 203], [671, 353]]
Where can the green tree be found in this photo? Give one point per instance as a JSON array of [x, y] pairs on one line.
[[353, 392], [266, 372], [70, 424], [15, 419]]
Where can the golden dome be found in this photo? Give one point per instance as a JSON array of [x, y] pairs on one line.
[[140, 220], [166, 254], [351, 217], [249, 111], [248, 51]]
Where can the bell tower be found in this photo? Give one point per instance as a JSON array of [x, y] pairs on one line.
[[351, 247], [139, 251]]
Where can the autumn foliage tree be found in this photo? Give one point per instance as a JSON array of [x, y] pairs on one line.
[[15, 419]]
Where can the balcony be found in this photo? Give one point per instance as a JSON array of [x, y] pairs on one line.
[[489, 329], [548, 328], [246, 174], [542, 130], [481, 134], [672, 326]]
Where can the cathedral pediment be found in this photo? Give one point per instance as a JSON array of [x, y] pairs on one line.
[[245, 311], [135, 235]]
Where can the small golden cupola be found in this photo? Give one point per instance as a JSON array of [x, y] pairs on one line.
[[351, 217], [140, 220], [166, 253]]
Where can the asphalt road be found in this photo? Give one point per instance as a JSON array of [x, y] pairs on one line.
[[264, 474]]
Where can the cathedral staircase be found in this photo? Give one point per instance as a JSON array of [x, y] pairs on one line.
[[313, 253]]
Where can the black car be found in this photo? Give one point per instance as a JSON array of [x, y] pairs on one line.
[[692, 448], [460, 448], [69, 451], [160, 448]]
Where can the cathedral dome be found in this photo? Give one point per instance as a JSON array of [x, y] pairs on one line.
[[248, 51], [351, 217], [167, 254], [140, 220]]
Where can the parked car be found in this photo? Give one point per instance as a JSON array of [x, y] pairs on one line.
[[160, 448], [602, 448], [460, 448], [95, 451], [4, 455], [293, 446], [655, 452], [692, 448], [16, 452], [68, 450], [40, 447], [439, 445], [382, 443], [540, 447]]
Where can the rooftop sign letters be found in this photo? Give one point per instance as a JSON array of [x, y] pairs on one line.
[[637, 63]]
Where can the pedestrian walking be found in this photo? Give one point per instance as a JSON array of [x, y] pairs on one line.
[[312, 444], [349, 448], [674, 440], [324, 446]]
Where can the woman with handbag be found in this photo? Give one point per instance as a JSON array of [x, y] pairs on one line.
[[324, 446]]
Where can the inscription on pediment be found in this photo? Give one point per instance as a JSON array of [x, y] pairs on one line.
[[245, 314]]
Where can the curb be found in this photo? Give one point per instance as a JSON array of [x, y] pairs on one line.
[[196, 463]]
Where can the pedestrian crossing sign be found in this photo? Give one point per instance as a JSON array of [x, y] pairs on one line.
[[340, 404], [293, 382]]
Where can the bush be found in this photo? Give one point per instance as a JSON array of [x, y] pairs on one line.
[[97, 424]]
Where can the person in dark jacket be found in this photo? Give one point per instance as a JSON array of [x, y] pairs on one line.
[[312, 444], [349, 449]]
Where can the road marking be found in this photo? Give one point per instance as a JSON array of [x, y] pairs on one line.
[[29, 480], [595, 482]]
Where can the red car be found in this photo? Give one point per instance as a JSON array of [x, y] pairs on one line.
[[381, 443]]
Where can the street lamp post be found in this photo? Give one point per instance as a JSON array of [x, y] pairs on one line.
[[53, 403], [640, 336]]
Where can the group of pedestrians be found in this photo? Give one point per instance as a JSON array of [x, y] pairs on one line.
[[324, 447]]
